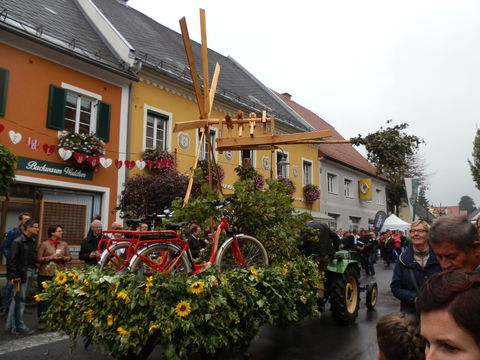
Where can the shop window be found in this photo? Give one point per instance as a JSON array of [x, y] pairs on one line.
[[71, 108]]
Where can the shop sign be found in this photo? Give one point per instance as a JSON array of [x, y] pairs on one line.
[[51, 168]]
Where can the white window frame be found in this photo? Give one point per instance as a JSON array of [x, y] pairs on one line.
[[82, 93], [253, 161], [204, 143], [332, 186], [307, 178], [354, 225], [348, 190], [168, 132], [286, 167]]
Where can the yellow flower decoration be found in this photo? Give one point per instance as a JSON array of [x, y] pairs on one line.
[[215, 282], [69, 319], [88, 315], [44, 284], [197, 287], [223, 280], [149, 284], [61, 278], [284, 271], [86, 282], [124, 296], [152, 328], [183, 309], [110, 320], [122, 331], [115, 286], [38, 298], [253, 270], [73, 276]]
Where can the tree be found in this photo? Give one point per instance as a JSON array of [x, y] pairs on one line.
[[467, 203], [7, 169], [475, 166], [393, 153]]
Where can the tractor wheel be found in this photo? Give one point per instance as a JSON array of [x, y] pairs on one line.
[[372, 296], [345, 297]]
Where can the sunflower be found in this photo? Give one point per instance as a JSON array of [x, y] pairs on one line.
[[109, 319], [38, 298], [115, 286], [61, 278], [215, 282], [88, 315], [197, 287], [253, 270], [44, 284], [152, 328], [183, 309], [284, 271], [124, 296], [74, 276], [86, 282], [122, 331]]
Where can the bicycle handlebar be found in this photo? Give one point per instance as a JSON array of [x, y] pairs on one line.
[[220, 202]]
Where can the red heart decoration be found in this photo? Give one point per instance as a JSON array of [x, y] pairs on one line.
[[49, 149], [79, 158], [118, 163], [1, 127], [93, 160], [129, 164], [149, 164]]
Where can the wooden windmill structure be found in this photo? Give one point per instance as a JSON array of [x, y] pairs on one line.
[[205, 96]]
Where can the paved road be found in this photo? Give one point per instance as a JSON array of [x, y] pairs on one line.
[[314, 339]]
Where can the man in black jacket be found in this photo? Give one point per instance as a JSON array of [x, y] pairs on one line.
[[20, 270], [88, 248]]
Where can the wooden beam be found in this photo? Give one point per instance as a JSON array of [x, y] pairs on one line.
[[206, 92], [193, 69], [190, 181], [273, 139], [188, 125], [213, 88], [323, 142]]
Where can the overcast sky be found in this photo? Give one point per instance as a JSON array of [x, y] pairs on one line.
[[357, 64]]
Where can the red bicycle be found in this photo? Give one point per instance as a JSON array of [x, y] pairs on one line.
[[166, 251], [173, 254]]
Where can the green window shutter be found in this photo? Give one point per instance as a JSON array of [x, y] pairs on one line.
[[3, 90], [103, 121], [56, 108]]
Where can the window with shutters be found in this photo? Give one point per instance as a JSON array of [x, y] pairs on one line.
[[73, 108], [79, 113], [156, 131], [4, 73]]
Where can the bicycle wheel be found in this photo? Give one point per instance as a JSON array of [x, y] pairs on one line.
[[163, 257], [244, 251], [108, 260]]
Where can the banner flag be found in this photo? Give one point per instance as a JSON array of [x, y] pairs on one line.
[[411, 185], [365, 189]]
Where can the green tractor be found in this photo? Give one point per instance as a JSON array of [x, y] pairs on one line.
[[340, 286]]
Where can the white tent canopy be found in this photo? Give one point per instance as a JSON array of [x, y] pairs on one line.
[[393, 222]]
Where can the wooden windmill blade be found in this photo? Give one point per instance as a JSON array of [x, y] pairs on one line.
[[193, 69], [213, 88], [206, 95]]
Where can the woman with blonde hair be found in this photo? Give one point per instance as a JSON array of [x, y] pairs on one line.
[[417, 263]]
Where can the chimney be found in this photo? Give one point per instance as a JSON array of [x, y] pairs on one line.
[[287, 95]]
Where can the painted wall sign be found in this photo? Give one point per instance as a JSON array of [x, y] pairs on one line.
[[51, 168]]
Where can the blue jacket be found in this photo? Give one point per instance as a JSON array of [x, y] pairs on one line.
[[402, 285], [12, 234]]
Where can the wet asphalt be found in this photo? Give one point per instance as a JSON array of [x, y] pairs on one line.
[[313, 338]]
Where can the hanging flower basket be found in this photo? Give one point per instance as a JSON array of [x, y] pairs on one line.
[[158, 161], [289, 184], [311, 193], [84, 150]]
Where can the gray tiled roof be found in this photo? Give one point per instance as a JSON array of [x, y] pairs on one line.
[[161, 47], [60, 23]]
